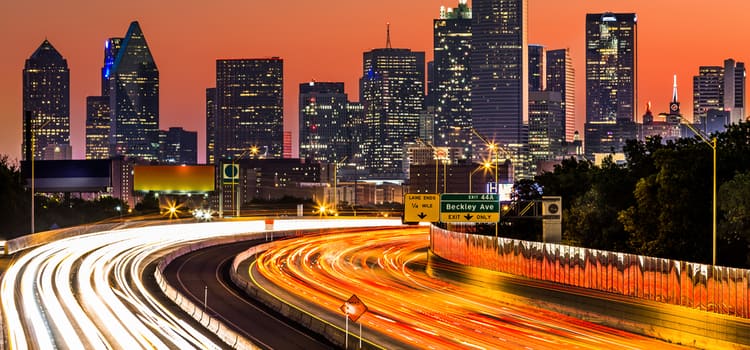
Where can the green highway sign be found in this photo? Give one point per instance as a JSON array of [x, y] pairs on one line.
[[469, 207]]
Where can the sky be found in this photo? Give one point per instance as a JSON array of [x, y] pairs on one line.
[[324, 41]]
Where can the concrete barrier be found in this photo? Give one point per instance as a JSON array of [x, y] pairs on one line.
[[683, 301], [329, 330]]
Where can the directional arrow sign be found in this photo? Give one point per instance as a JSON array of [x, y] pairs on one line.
[[421, 207], [469, 207]]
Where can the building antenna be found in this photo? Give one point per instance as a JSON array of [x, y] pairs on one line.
[[388, 35], [674, 89]]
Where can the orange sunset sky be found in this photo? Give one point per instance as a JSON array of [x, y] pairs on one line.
[[324, 40]]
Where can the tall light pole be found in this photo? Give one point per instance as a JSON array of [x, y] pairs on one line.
[[33, 156], [711, 142], [495, 149], [335, 183], [254, 152]]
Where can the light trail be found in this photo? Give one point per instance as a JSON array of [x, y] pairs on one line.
[[382, 267], [87, 292]]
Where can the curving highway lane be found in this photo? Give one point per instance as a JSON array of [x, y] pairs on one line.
[[88, 292], [386, 270]]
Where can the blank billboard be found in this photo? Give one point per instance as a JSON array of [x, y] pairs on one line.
[[173, 178], [69, 175]]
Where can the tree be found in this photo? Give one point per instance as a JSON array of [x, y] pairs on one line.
[[15, 212], [734, 231]]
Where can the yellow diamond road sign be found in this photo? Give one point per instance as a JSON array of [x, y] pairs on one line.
[[421, 207]]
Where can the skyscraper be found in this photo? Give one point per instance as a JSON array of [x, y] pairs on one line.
[[734, 90], [708, 91], [611, 71], [561, 78], [452, 77], [499, 65], [611, 40], [537, 68], [392, 91], [98, 111], [210, 124], [324, 130], [180, 146], [546, 125], [249, 107], [720, 88], [134, 99], [97, 127], [46, 96]]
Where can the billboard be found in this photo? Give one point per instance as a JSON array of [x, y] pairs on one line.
[[173, 178], [68, 175]]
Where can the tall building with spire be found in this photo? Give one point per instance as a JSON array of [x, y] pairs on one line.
[[452, 77], [249, 107], [97, 107], [46, 103], [561, 78], [134, 98], [392, 90]]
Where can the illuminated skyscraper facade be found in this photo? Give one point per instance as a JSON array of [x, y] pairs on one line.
[[546, 125], [98, 109], [324, 128], [452, 77], [611, 71], [611, 40], [134, 99], [392, 91], [500, 79], [561, 78], [210, 124], [499, 66], [720, 88], [97, 127], [46, 96], [249, 107], [537, 68], [180, 146]]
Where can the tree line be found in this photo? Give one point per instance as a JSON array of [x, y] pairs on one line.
[[660, 202]]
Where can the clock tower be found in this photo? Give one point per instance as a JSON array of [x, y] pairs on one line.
[[674, 115]]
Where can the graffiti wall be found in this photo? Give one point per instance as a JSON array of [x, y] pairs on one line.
[[712, 288]]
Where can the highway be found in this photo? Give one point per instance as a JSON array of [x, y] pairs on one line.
[[203, 275], [93, 292], [386, 269]]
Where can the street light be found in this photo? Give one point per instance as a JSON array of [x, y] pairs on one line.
[[33, 156], [253, 150], [486, 166], [711, 142], [119, 210], [493, 148]]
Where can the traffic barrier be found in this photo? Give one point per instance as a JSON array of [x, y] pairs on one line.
[[718, 289], [700, 287]]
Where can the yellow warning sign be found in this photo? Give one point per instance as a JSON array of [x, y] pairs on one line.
[[421, 207]]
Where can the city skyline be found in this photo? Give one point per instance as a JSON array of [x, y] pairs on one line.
[[326, 44]]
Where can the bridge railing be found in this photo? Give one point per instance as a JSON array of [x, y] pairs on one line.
[[719, 289]]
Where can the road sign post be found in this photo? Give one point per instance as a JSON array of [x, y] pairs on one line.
[[469, 207]]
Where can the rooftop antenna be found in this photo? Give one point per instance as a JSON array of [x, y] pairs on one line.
[[674, 89], [388, 36]]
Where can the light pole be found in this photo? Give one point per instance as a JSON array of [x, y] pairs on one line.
[[33, 156], [711, 142], [485, 166], [236, 199], [493, 148], [119, 210]]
